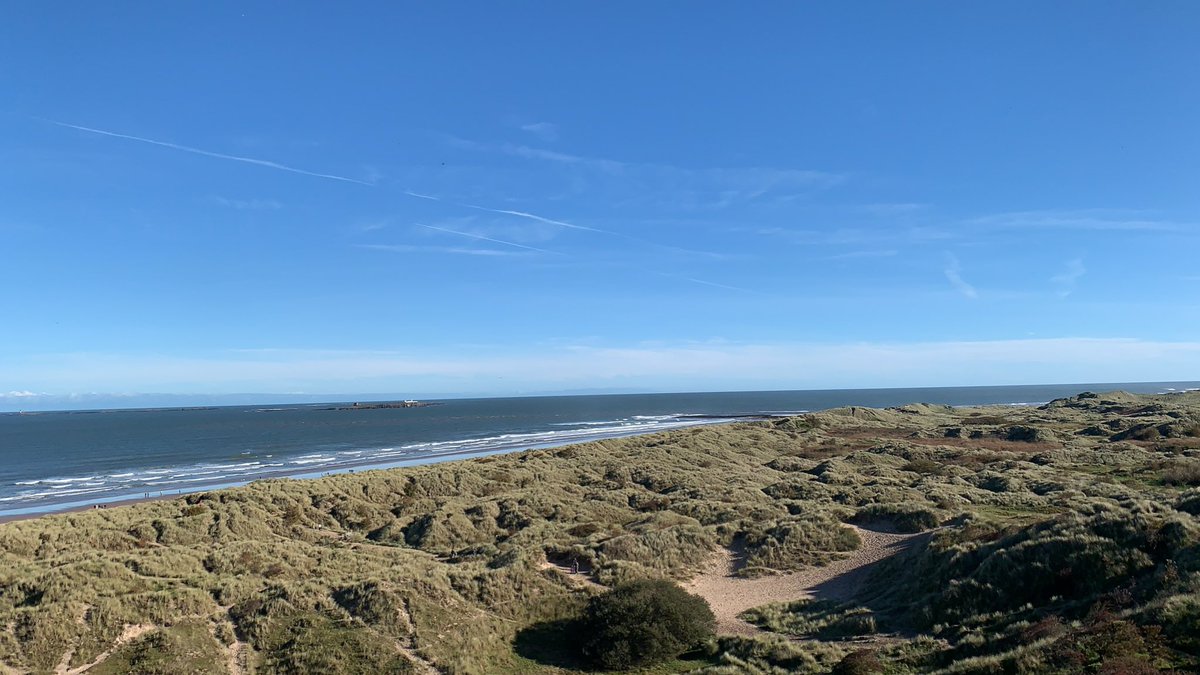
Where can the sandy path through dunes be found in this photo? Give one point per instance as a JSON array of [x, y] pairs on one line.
[[579, 576], [131, 633], [729, 595]]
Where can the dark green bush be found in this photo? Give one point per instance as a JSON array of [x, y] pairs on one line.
[[1025, 434], [643, 622], [859, 662], [1189, 502]]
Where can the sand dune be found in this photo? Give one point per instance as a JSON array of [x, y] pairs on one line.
[[729, 595]]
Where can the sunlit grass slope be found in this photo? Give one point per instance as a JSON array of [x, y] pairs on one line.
[[1061, 538]]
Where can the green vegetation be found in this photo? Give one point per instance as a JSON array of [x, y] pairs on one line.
[[1062, 538], [644, 622], [187, 647]]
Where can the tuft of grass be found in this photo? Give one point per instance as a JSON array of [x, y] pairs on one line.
[[817, 619], [1181, 472]]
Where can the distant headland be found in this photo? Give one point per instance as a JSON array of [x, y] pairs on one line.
[[382, 404]]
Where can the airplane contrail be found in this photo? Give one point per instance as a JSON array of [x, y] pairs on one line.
[[208, 153], [519, 214], [483, 238]]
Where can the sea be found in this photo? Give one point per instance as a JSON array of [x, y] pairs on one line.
[[52, 461]]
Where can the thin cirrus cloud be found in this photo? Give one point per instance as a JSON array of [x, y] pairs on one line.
[[806, 365], [1066, 280], [1094, 220], [518, 214], [868, 253], [703, 282], [481, 237], [452, 250], [729, 183], [546, 131], [208, 153], [571, 226], [953, 272], [249, 204]]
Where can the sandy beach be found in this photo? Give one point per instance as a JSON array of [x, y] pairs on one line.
[[9, 518]]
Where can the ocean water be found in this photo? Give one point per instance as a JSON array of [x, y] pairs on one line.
[[57, 460]]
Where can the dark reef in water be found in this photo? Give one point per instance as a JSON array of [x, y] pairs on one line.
[[382, 405]]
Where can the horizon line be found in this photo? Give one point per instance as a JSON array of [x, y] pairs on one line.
[[334, 397]]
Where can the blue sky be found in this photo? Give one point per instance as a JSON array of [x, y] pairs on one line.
[[500, 198]]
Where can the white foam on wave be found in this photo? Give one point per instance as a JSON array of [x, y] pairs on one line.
[[311, 460], [131, 483]]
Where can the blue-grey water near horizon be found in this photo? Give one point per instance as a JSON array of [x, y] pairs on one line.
[[57, 460]]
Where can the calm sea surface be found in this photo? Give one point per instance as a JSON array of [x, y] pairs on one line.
[[57, 460]]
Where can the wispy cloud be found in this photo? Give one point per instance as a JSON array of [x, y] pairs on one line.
[[892, 208], [452, 250], [854, 255], [373, 225], [852, 236], [481, 237], [1066, 280], [542, 219], [953, 272], [546, 131], [509, 212], [249, 204], [561, 223], [527, 152], [209, 153], [690, 366], [712, 187], [1096, 220], [571, 226], [703, 282], [607, 165]]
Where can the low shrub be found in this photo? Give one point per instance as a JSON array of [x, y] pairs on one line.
[[923, 466], [1181, 472], [859, 662], [640, 623]]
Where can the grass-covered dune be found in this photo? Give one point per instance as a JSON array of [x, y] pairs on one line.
[[1062, 538]]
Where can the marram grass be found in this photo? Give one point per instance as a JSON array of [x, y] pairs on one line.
[[1062, 538]]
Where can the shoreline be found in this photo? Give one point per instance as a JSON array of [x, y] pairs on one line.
[[121, 495], [13, 518], [116, 501]]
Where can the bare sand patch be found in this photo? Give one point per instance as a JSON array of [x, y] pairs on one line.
[[131, 633], [729, 595], [237, 658]]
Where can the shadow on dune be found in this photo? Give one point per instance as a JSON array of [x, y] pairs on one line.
[[552, 643], [848, 587]]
